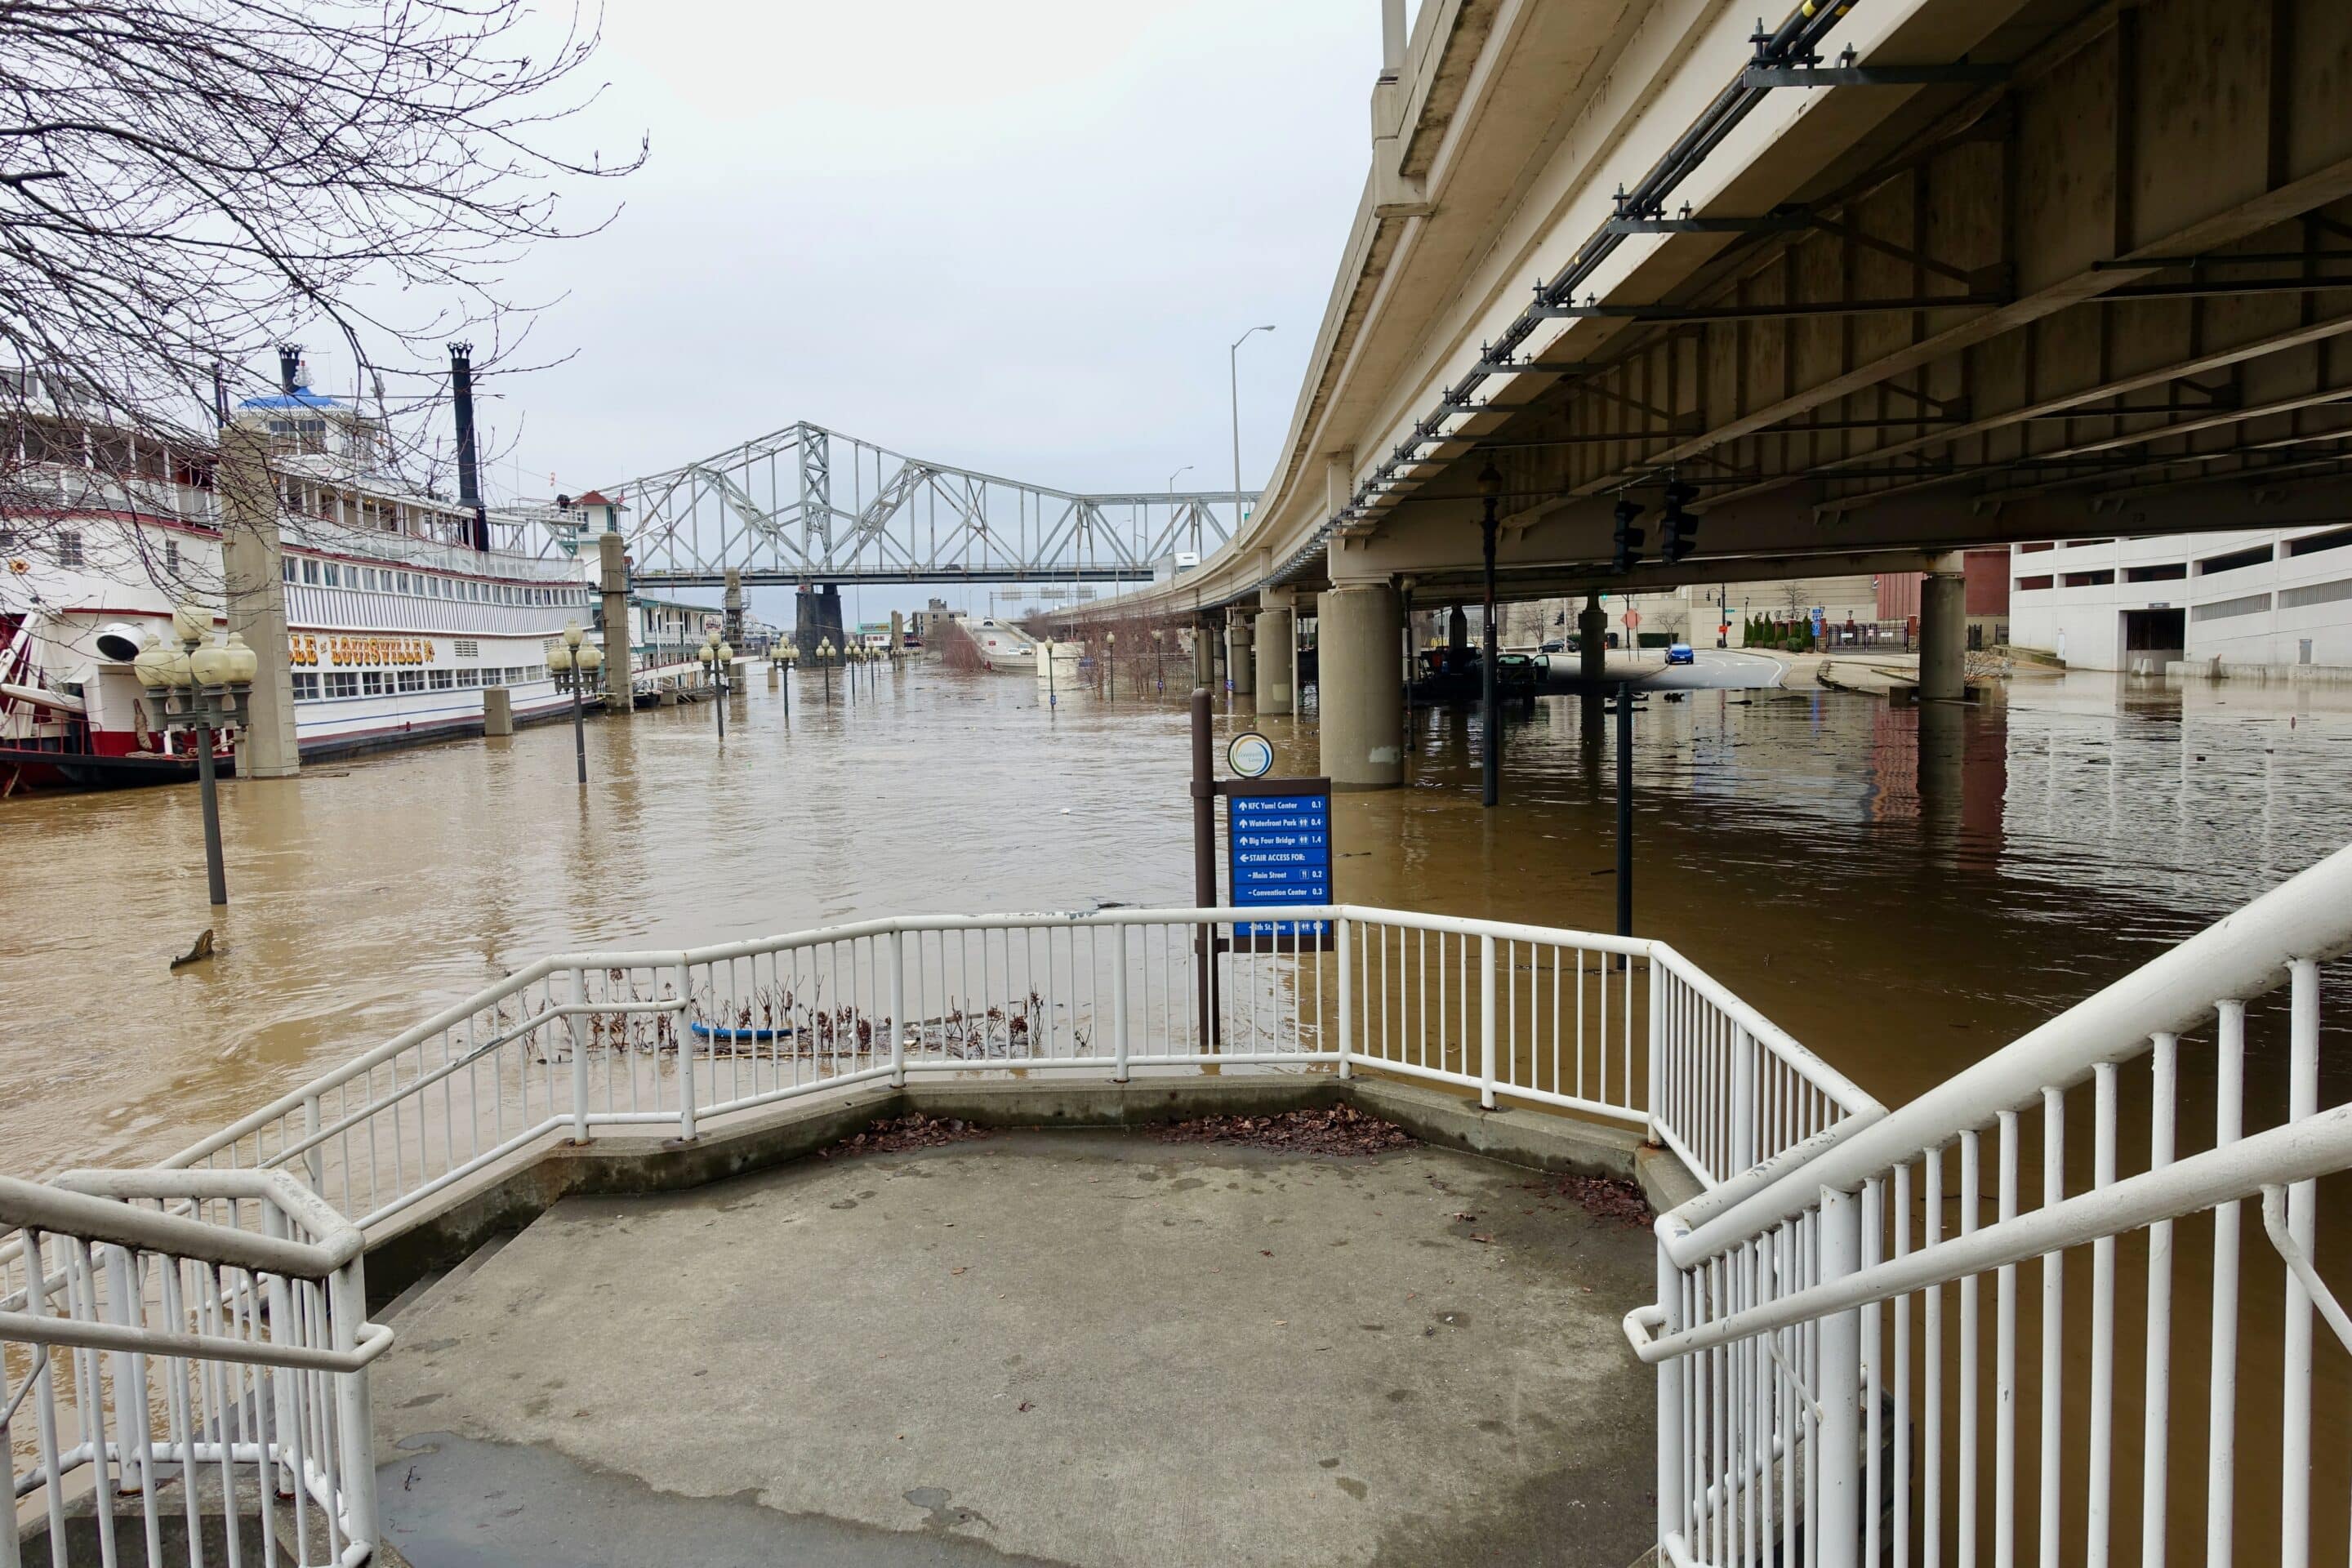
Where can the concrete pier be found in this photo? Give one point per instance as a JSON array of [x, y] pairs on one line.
[[1278, 659], [732, 608], [253, 587], [816, 618], [1592, 642], [1204, 654], [498, 710], [1362, 709], [613, 584], [1944, 630], [1241, 654]]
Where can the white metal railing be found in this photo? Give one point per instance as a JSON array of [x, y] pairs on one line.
[[1828, 1391], [182, 1358], [582, 1042]]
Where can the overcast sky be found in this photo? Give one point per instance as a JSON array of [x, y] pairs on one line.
[[1011, 237]]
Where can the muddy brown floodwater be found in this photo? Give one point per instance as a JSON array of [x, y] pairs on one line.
[[1905, 901], [1901, 920]]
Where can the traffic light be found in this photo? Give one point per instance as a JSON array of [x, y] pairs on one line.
[[1678, 535], [1627, 537]]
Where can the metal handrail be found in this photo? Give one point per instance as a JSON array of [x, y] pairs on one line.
[[2296, 1152], [1849, 1095], [671, 958], [76, 1333], [2241, 955], [95, 1213]]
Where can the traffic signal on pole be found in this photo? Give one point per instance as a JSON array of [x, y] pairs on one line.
[[1678, 533], [1627, 537]]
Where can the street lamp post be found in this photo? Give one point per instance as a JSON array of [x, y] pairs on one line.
[[1490, 491], [1110, 657], [574, 662], [204, 682], [716, 656], [1234, 371], [788, 656], [824, 660]]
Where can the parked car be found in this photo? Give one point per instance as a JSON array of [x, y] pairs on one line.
[[1555, 646], [1680, 653]]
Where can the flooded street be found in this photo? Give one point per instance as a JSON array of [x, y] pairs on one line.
[[1901, 918]]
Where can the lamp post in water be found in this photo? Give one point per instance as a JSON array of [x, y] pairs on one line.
[[1490, 491], [200, 683], [787, 655], [716, 656], [574, 662], [1110, 657], [825, 658]]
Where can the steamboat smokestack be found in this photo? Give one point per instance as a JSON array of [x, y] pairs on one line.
[[469, 485], [289, 367]]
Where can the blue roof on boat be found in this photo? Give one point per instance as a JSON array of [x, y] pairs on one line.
[[301, 397]]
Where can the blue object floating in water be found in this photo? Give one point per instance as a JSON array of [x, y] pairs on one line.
[[712, 1032]]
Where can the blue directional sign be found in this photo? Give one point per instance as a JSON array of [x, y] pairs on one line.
[[1278, 851]]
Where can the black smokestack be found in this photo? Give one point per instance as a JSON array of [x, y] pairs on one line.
[[289, 367], [469, 484]]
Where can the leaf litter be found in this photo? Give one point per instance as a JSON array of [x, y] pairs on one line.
[[1338, 1129], [897, 1135]]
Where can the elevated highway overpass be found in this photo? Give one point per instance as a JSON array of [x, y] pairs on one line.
[[1876, 283]]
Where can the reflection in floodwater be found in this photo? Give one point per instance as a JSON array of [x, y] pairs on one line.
[[1904, 889]]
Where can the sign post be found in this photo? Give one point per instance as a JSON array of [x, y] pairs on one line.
[[1278, 854]]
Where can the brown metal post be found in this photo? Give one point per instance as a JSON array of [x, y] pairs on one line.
[[1204, 864]]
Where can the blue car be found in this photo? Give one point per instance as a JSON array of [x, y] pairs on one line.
[[1680, 653]]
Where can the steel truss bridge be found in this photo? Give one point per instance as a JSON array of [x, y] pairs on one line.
[[807, 505]]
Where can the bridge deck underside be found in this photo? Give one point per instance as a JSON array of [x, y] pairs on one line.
[[2109, 294]]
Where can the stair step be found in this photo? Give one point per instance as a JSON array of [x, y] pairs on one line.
[[441, 1280]]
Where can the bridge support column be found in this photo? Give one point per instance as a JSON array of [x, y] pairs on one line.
[[254, 604], [1277, 655], [732, 608], [1457, 639], [1241, 665], [613, 584], [1944, 631], [1204, 654], [1357, 628], [816, 618], [1593, 643]]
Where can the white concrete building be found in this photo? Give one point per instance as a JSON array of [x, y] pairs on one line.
[[2254, 600]]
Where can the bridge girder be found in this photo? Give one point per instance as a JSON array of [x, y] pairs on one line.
[[2015, 270], [806, 504], [1957, 331]]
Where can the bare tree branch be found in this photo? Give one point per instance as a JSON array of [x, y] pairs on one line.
[[184, 184]]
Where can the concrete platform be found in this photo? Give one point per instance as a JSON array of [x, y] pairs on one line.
[[1081, 1347]]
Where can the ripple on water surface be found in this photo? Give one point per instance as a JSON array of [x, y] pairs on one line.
[[1902, 899]]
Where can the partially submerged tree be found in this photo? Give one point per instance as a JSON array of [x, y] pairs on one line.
[[186, 184]]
